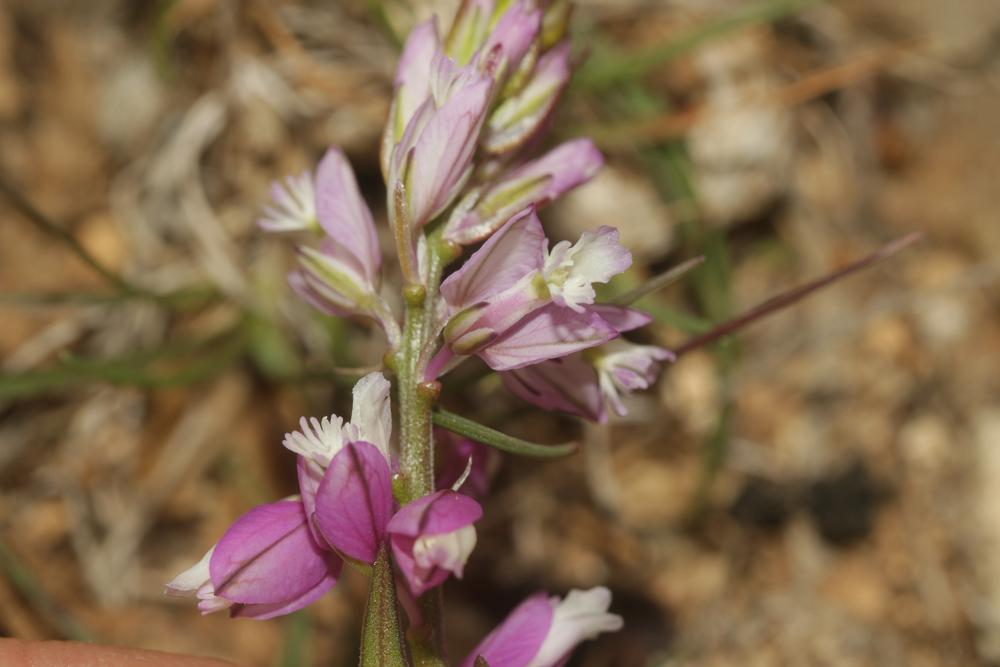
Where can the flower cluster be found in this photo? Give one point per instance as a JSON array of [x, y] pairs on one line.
[[278, 558], [469, 106]]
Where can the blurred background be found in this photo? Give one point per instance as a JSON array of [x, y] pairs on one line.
[[823, 489]]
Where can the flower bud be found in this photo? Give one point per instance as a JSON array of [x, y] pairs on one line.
[[520, 118], [536, 183]]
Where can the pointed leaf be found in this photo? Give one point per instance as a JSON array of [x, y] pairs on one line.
[[497, 440]]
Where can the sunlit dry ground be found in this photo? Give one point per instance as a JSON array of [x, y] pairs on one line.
[[824, 491]]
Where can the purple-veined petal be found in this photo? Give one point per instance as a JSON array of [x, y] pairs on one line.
[[344, 215], [568, 384], [411, 87], [269, 557], [262, 612], [517, 249], [547, 333], [442, 155], [413, 73], [354, 501], [519, 637], [535, 183]]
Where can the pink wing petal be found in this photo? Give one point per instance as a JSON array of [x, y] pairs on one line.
[[344, 215], [269, 557], [514, 251], [568, 384], [354, 501], [548, 333]]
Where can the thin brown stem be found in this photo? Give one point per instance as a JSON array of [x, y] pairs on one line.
[[792, 296]]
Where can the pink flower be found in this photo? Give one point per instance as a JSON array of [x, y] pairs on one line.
[[341, 277], [267, 564], [543, 631], [583, 384], [514, 303], [433, 537], [535, 183], [340, 483]]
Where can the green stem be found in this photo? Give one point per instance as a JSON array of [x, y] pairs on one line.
[[416, 399], [381, 640]]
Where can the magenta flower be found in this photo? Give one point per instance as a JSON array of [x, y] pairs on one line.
[[535, 183], [543, 631], [432, 537], [267, 564], [319, 442]]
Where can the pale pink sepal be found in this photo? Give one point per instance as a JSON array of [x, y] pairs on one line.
[[345, 217], [513, 35], [440, 162], [354, 501], [568, 385], [547, 333], [514, 251]]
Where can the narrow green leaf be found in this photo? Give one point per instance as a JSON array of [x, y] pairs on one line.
[[505, 443], [656, 283]]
